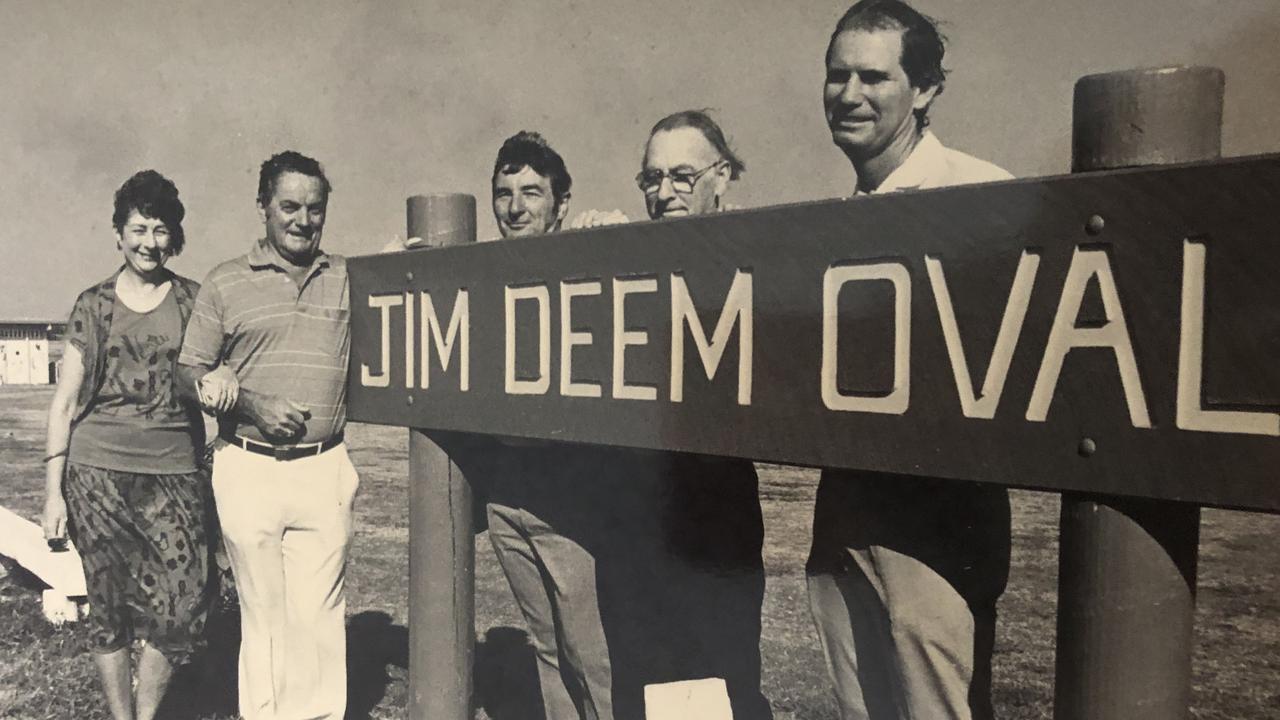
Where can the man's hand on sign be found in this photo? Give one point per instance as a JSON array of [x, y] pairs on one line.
[[219, 389], [396, 244], [597, 218]]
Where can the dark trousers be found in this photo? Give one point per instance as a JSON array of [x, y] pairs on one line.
[[712, 576]]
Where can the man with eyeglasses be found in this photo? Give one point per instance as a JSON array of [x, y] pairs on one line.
[[687, 166], [708, 529], [904, 571], [686, 170]]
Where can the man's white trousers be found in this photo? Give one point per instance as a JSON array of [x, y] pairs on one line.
[[287, 527]]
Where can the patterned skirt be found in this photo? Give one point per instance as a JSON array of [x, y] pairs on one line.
[[144, 541]]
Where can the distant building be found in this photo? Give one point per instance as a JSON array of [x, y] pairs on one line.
[[24, 351]]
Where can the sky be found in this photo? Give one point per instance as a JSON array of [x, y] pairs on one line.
[[403, 97]]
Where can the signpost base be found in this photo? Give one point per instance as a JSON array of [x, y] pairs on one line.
[[442, 556], [1127, 567], [1126, 600]]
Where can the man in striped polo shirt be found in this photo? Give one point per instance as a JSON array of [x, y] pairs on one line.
[[276, 317]]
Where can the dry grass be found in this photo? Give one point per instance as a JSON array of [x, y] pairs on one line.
[[45, 674]]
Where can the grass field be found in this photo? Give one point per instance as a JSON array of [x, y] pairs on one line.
[[44, 673]]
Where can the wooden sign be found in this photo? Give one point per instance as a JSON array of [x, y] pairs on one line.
[[1112, 332]]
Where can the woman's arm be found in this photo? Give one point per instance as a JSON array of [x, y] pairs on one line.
[[58, 440]]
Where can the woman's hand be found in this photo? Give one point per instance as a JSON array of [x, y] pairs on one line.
[[219, 389], [54, 521]]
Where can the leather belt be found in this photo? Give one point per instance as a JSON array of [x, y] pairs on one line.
[[282, 452]]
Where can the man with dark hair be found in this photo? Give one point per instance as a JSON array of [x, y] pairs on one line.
[[548, 508], [884, 70], [285, 162], [276, 318], [530, 186], [904, 572]]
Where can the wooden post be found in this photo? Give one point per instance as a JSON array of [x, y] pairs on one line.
[[441, 535], [1127, 567]]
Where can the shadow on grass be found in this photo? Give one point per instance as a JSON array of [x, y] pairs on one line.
[[206, 687], [373, 644], [506, 676]]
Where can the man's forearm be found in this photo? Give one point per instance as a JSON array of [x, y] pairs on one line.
[[187, 388], [247, 404], [186, 384]]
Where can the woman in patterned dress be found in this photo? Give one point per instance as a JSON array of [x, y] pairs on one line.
[[123, 475]]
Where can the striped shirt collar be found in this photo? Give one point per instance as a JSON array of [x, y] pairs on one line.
[[262, 255]]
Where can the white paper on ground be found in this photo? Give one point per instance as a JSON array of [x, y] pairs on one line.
[[704, 699]]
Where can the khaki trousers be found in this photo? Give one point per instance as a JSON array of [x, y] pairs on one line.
[[899, 641], [287, 527], [553, 579], [903, 577]]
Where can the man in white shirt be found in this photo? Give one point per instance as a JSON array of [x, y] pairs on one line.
[[904, 572]]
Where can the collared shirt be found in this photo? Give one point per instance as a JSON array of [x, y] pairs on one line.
[[933, 165], [959, 529], [279, 339]]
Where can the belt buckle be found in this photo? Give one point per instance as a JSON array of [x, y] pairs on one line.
[[280, 452]]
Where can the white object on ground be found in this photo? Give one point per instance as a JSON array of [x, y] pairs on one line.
[[59, 608], [705, 699], [24, 541]]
